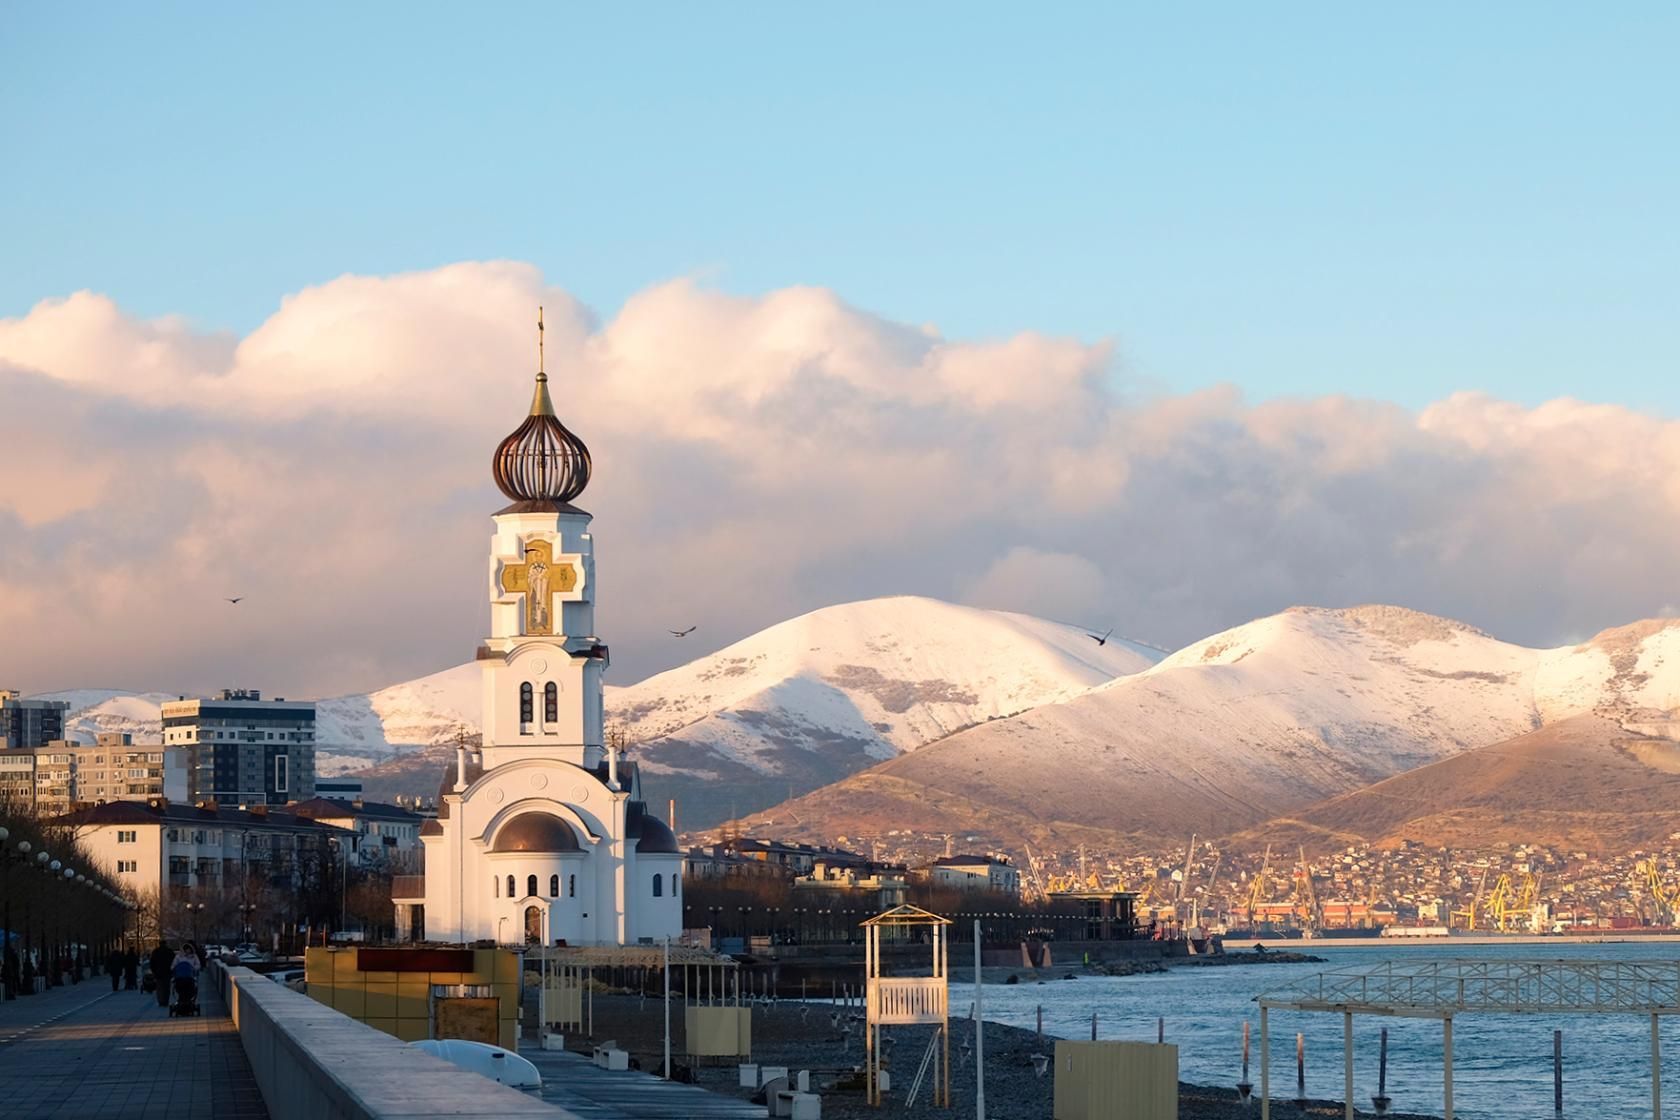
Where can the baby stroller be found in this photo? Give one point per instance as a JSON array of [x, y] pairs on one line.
[[186, 996]]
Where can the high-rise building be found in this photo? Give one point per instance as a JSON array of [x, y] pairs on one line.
[[30, 723], [245, 750]]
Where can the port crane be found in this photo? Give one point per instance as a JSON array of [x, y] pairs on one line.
[[1306, 898], [1471, 914], [1666, 899], [1036, 881], [1183, 884], [1259, 891]]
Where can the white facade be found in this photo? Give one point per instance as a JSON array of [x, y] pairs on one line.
[[977, 873], [541, 835], [171, 847], [385, 834]]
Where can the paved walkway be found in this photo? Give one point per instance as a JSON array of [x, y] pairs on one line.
[[83, 1051]]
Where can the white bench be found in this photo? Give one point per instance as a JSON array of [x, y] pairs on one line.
[[609, 1056]]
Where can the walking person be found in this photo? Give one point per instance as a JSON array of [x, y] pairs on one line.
[[114, 965], [185, 972], [162, 962], [131, 969]]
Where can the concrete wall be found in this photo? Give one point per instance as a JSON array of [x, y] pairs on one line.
[[313, 1063]]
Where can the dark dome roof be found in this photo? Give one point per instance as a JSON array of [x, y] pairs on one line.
[[536, 832], [656, 836], [541, 461]]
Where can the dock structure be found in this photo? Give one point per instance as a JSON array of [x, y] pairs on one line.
[[1445, 989]]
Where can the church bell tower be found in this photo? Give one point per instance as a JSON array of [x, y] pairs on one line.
[[543, 663]]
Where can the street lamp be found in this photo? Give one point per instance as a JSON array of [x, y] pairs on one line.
[[7, 969], [194, 909]]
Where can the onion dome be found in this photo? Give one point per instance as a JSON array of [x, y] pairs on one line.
[[651, 834], [541, 461], [536, 832]]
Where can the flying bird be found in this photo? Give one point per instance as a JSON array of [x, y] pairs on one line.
[[684, 633], [1102, 641], [235, 600]]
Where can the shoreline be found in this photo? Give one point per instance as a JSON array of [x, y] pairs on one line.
[[828, 1040]]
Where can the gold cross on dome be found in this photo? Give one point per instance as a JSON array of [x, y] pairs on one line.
[[540, 578]]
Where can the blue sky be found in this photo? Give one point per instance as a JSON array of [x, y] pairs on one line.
[[1299, 199]]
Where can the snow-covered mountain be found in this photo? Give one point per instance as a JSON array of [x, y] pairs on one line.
[[786, 710], [1270, 716], [355, 732], [810, 700], [96, 710]]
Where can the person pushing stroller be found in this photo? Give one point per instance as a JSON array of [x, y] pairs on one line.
[[184, 972]]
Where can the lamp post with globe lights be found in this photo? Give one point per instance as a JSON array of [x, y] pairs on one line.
[[8, 955]]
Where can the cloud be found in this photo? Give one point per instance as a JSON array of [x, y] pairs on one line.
[[1056, 585], [755, 457]]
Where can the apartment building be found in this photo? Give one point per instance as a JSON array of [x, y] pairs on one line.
[[245, 750]]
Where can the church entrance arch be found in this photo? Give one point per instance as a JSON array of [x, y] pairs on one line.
[[533, 925]]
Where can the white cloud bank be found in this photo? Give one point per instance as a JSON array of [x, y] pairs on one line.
[[755, 457]]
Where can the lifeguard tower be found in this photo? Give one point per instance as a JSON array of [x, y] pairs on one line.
[[892, 1001]]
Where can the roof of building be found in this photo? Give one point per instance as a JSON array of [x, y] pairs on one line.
[[970, 861], [536, 832], [649, 832], [321, 807], [181, 813]]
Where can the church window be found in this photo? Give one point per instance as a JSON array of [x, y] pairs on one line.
[[551, 702], [525, 702], [531, 885], [554, 886], [673, 884], [510, 886], [571, 886], [658, 885], [496, 885]]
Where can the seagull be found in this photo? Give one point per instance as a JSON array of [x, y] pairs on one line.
[[1102, 641], [684, 633], [235, 600]]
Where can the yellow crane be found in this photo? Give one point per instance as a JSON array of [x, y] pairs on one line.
[[1499, 904], [1259, 890], [1666, 898], [1470, 915], [1306, 899]]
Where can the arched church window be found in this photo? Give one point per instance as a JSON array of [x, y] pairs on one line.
[[673, 884], [510, 886], [525, 702], [658, 885], [571, 886], [496, 886], [531, 885], [551, 702], [554, 886]]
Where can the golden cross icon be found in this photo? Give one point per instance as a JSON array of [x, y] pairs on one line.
[[539, 578]]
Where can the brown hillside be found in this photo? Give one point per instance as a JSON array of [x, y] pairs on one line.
[[1582, 783]]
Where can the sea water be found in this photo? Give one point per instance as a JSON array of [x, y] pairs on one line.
[[1502, 1064]]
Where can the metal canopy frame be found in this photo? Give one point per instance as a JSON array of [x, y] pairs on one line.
[[1442, 989]]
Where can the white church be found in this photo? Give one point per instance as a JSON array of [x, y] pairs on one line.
[[542, 836]]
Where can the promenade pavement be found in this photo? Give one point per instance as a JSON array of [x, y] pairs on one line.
[[82, 1052]]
